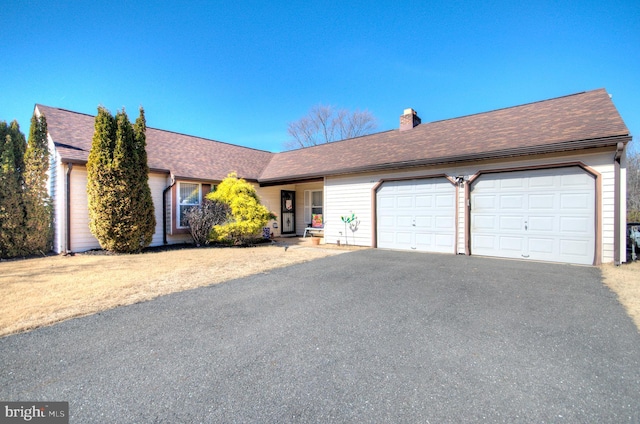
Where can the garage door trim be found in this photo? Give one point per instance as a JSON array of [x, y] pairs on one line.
[[374, 203], [598, 200]]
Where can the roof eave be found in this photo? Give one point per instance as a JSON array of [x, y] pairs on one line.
[[565, 146]]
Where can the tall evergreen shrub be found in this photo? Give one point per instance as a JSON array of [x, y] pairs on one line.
[[121, 211], [12, 210], [38, 207]]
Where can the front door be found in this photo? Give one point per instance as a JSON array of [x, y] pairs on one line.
[[288, 211]]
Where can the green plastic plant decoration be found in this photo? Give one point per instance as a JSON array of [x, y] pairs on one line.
[[352, 221]]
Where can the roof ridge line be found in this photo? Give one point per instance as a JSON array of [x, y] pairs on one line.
[[162, 130], [516, 106], [210, 139]]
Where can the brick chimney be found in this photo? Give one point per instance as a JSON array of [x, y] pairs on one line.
[[409, 119]]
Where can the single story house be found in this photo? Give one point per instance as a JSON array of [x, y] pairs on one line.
[[540, 181]]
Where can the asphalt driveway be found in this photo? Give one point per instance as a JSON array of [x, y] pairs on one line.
[[367, 336]]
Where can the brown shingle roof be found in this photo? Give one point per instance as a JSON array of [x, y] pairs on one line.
[[566, 123], [578, 121], [182, 155]]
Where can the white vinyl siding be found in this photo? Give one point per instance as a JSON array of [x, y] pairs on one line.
[[352, 193], [157, 184], [344, 196], [81, 237]]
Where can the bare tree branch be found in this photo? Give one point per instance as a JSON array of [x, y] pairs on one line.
[[324, 124]]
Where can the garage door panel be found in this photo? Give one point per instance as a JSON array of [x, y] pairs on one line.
[[444, 223], [578, 201], [424, 241], [424, 222], [445, 201], [486, 222], [511, 184], [541, 224], [444, 241], [511, 244], [424, 215], [576, 181], [512, 201], [510, 223], [576, 225], [542, 202], [486, 242], [424, 201], [403, 237], [404, 221], [554, 222], [576, 248], [488, 202], [541, 245], [404, 202], [546, 182]]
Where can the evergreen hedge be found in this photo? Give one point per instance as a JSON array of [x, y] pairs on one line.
[[121, 211]]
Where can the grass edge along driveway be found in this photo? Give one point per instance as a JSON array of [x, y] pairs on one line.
[[42, 291]]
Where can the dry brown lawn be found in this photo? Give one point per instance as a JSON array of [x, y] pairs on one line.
[[624, 280], [42, 291]]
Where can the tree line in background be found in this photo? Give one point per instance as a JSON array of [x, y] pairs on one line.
[[25, 206], [633, 185]]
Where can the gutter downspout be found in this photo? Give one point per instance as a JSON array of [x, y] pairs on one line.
[[164, 210], [68, 218], [616, 203]]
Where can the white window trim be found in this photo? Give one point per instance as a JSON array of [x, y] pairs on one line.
[[308, 206], [178, 203]]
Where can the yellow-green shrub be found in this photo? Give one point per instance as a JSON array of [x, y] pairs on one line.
[[248, 216]]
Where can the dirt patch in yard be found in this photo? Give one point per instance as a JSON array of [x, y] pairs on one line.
[[42, 291], [624, 280]]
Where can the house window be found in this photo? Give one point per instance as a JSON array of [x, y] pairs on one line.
[[312, 204], [188, 197]]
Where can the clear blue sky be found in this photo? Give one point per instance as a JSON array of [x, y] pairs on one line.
[[239, 71]]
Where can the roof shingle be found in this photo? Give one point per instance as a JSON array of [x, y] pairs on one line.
[[565, 123], [183, 155], [572, 122]]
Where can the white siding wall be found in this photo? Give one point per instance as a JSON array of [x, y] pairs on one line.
[[157, 183], [344, 196], [460, 246], [81, 237], [58, 197], [270, 198], [352, 194]]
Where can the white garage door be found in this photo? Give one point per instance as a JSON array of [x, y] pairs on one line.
[[417, 215], [546, 215]]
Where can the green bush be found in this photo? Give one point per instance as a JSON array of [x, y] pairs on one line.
[[248, 216], [121, 211], [12, 210], [38, 205]]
